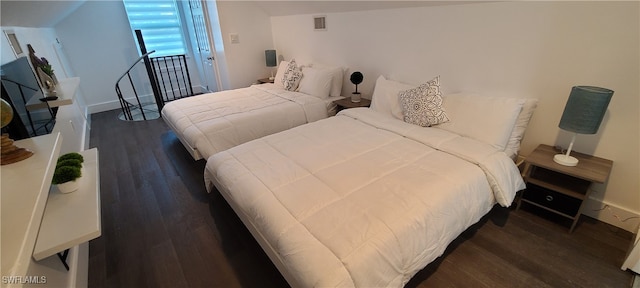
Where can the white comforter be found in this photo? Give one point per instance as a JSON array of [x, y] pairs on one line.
[[361, 199], [214, 122]]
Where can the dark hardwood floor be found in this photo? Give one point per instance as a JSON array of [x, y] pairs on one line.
[[161, 229]]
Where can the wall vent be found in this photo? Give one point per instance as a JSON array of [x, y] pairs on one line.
[[319, 23]]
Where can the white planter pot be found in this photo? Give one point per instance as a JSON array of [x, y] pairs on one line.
[[68, 187], [355, 97]]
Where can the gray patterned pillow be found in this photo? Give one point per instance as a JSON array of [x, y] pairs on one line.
[[292, 76], [423, 105]]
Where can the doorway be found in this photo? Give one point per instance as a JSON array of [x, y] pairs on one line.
[[204, 52]]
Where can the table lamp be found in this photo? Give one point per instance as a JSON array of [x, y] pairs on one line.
[[270, 56], [582, 114]]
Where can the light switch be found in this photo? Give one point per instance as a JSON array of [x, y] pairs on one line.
[[235, 39]]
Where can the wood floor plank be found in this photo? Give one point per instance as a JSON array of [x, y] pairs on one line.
[[196, 268], [160, 228], [165, 272]]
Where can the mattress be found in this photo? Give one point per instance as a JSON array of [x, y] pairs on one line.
[[213, 122], [361, 199]]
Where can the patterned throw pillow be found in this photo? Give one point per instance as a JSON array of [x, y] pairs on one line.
[[292, 76], [423, 105]]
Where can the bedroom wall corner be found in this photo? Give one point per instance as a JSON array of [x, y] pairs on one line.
[[99, 46], [244, 60]]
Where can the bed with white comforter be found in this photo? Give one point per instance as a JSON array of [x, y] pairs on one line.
[[213, 122], [366, 199], [361, 199]]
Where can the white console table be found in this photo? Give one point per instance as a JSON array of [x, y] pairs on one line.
[[25, 187], [37, 221]]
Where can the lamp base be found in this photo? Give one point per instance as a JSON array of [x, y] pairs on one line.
[[10, 153], [565, 160]]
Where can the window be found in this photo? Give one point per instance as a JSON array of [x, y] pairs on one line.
[[159, 22]]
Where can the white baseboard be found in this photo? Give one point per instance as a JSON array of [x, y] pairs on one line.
[[199, 90], [612, 214], [115, 104], [104, 106]]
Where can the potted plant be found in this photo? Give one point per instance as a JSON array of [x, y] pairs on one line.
[[68, 170], [356, 78], [72, 155]]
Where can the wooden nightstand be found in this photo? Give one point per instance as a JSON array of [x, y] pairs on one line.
[[265, 80], [561, 189], [346, 103]]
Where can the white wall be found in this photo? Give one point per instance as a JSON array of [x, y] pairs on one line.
[[516, 49], [100, 46], [245, 61], [6, 54], [43, 41]]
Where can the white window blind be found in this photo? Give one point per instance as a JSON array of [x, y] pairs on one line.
[[159, 22]]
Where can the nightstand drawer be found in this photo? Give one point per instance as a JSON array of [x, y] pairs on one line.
[[552, 200]]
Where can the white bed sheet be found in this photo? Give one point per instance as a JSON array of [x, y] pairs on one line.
[[361, 199], [214, 122]]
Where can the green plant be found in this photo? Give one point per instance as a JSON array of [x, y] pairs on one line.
[[43, 63], [69, 162], [47, 69], [72, 155], [65, 174], [68, 168]]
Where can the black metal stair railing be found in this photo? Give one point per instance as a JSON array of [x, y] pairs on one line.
[[168, 77], [126, 105], [172, 76]]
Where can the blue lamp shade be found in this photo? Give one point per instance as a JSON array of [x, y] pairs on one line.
[[270, 56], [583, 114], [585, 109]]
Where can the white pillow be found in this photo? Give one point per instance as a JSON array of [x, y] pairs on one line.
[[487, 119], [280, 73], [316, 82], [385, 96], [513, 145], [337, 76]]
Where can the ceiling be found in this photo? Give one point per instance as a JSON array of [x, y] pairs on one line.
[[36, 13], [49, 13]]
